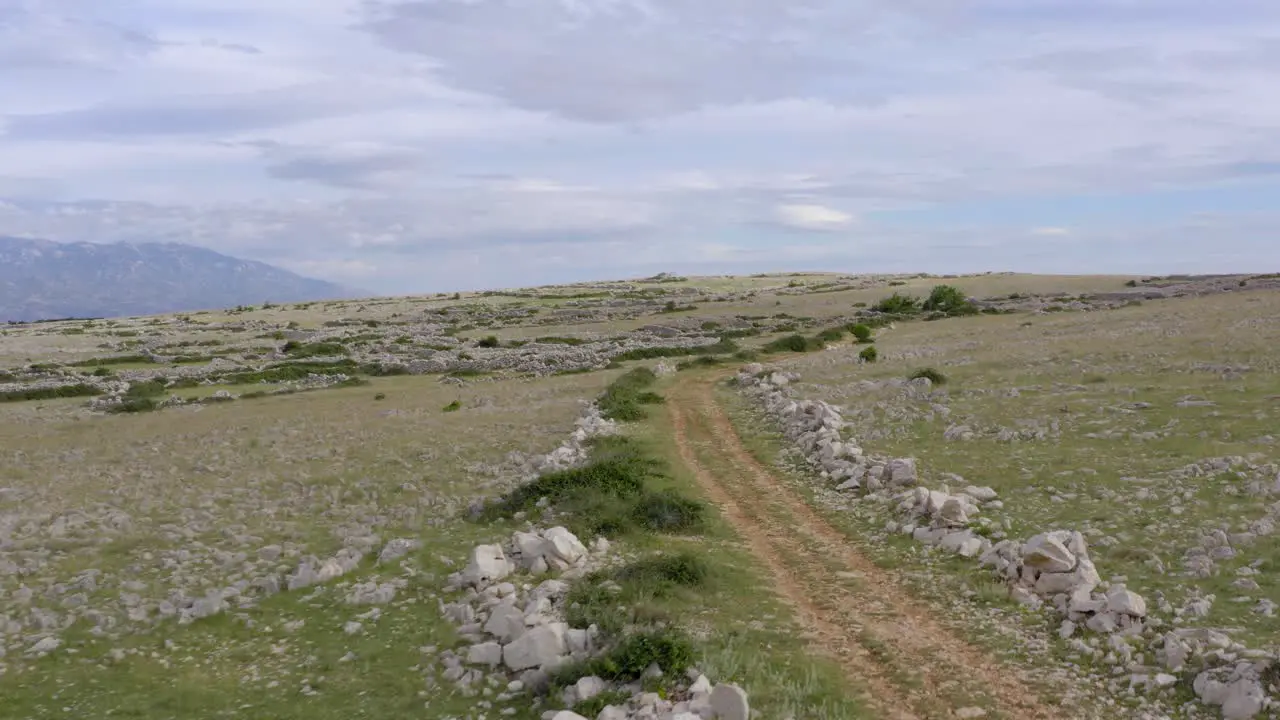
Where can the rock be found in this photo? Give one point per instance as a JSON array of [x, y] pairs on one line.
[[539, 646], [729, 702], [1125, 602], [371, 593], [489, 653], [488, 564], [953, 511], [981, 494], [1047, 554], [44, 645], [506, 623], [567, 715], [564, 545], [902, 472], [970, 712], [589, 687], [396, 549]]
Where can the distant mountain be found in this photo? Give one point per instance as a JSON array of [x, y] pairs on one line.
[[41, 280]]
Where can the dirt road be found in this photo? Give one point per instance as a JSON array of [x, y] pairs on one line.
[[889, 644]]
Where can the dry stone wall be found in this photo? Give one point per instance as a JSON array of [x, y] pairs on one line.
[[1052, 569]]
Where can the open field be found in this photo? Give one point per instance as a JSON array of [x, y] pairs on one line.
[[193, 508]]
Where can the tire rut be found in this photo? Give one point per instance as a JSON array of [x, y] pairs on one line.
[[886, 641]]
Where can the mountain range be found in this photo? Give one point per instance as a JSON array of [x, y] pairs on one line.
[[42, 279]]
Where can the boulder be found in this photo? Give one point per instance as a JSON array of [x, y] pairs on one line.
[[542, 645], [488, 564], [1045, 553], [729, 702]]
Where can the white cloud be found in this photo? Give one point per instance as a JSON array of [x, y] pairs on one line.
[[611, 134], [814, 217]]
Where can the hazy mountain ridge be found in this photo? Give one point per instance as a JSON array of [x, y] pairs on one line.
[[42, 279]]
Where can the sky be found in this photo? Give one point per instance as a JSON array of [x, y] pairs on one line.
[[405, 146]]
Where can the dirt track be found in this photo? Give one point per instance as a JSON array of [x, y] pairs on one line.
[[887, 642]]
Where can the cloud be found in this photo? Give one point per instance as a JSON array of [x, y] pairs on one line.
[[393, 138], [814, 217]]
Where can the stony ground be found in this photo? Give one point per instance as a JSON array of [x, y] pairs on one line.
[[255, 512]]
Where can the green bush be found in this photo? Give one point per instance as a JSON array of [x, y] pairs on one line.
[[49, 393], [670, 648], [700, 362], [949, 301], [134, 405], [623, 399], [491, 341], [661, 573], [667, 511], [935, 377], [283, 372], [725, 345], [114, 360], [829, 335], [453, 406], [298, 350], [869, 354], [147, 389], [898, 304], [790, 343], [618, 469], [861, 332]]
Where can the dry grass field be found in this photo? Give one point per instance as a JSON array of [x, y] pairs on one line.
[[151, 524]]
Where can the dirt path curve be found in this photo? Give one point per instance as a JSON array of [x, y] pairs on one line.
[[910, 666]]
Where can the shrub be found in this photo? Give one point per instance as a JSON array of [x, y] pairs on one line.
[[618, 468], [560, 340], [134, 405], [115, 360], [869, 354], [489, 342], [700, 362], [829, 335], [147, 389], [453, 406], [49, 393], [670, 648], [666, 511], [934, 376], [861, 332], [661, 573], [790, 343], [298, 350], [724, 346], [898, 304], [623, 399], [380, 396], [949, 301], [594, 706]]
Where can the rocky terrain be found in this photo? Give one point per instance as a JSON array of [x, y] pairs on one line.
[[471, 506]]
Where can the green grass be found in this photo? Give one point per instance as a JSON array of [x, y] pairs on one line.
[[626, 396], [49, 393]]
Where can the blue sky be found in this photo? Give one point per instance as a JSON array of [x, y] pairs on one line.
[[422, 145]]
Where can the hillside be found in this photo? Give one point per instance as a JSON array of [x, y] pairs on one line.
[[40, 279]]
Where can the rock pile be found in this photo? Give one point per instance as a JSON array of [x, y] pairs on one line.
[[573, 451], [1051, 569], [518, 635]]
